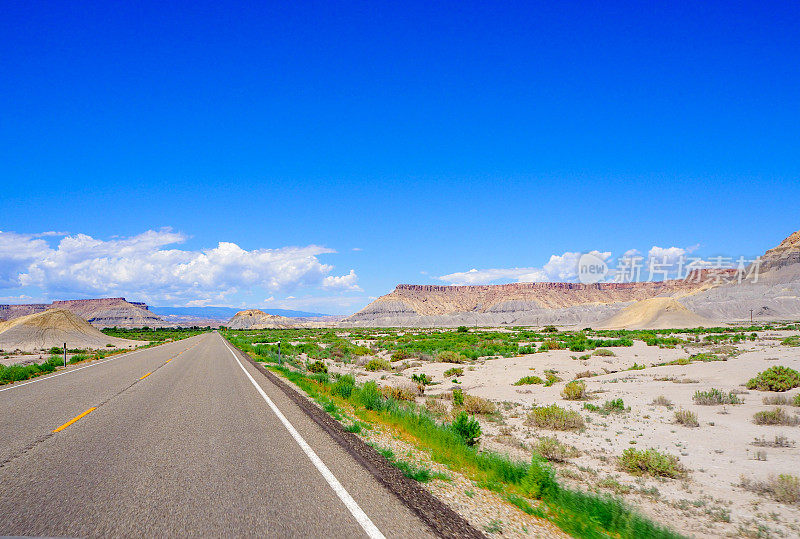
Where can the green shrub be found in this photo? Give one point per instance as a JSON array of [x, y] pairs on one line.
[[455, 371], [574, 391], [377, 365], [714, 396], [462, 329], [554, 417], [458, 397], [794, 340], [448, 356], [317, 367], [467, 428], [777, 378], [400, 393], [687, 418], [421, 379], [603, 352], [528, 380], [550, 329], [343, 386], [776, 416], [399, 355], [370, 396], [796, 400], [651, 462], [551, 379], [77, 358]]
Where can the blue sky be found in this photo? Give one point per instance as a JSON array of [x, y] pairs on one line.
[[405, 142]]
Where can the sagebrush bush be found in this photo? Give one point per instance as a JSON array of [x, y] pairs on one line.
[[775, 417], [478, 405], [714, 396], [605, 352], [528, 380], [553, 450], [448, 356], [661, 400], [400, 393], [554, 417], [687, 418], [458, 397], [377, 365], [785, 488], [651, 462], [794, 340], [777, 378], [574, 391]]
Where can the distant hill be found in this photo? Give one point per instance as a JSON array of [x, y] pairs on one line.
[[225, 313], [100, 312]]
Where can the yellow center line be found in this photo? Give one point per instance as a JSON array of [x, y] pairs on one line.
[[74, 419], [145, 376]]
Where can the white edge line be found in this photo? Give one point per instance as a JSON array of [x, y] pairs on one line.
[[45, 378], [349, 502]]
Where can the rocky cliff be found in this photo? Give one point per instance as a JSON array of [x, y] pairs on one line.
[[576, 303], [103, 312]]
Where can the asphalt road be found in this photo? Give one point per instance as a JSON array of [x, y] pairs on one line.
[[192, 448]]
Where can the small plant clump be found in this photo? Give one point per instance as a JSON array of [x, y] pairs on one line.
[[377, 365], [528, 380], [661, 400], [458, 397], [400, 393], [448, 356], [651, 462], [794, 340], [776, 416], [554, 417], [777, 378], [784, 488], [714, 396], [553, 450], [455, 371], [574, 391], [604, 352], [478, 405], [687, 418]]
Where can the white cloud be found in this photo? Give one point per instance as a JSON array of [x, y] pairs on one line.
[[666, 255], [562, 267], [144, 266], [343, 282]]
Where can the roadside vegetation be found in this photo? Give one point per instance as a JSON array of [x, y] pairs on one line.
[[451, 439]]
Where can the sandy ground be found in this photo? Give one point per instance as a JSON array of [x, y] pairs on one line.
[[709, 503]]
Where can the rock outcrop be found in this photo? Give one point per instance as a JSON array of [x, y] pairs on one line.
[[103, 312], [54, 327], [255, 319], [711, 294]]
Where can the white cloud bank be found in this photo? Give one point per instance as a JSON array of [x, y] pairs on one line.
[[144, 266], [562, 268]]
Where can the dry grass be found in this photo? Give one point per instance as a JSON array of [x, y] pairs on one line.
[[779, 441], [554, 417], [553, 450], [661, 400], [687, 418], [401, 393], [775, 417], [784, 488], [478, 405]]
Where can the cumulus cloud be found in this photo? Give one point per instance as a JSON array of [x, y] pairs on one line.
[[562, 267], [148, 266], [343, 282]]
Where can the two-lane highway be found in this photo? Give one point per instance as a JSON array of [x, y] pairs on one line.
[[183, 439]]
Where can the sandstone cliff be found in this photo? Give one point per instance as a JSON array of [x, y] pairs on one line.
[[103, 312], [775, 296]]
